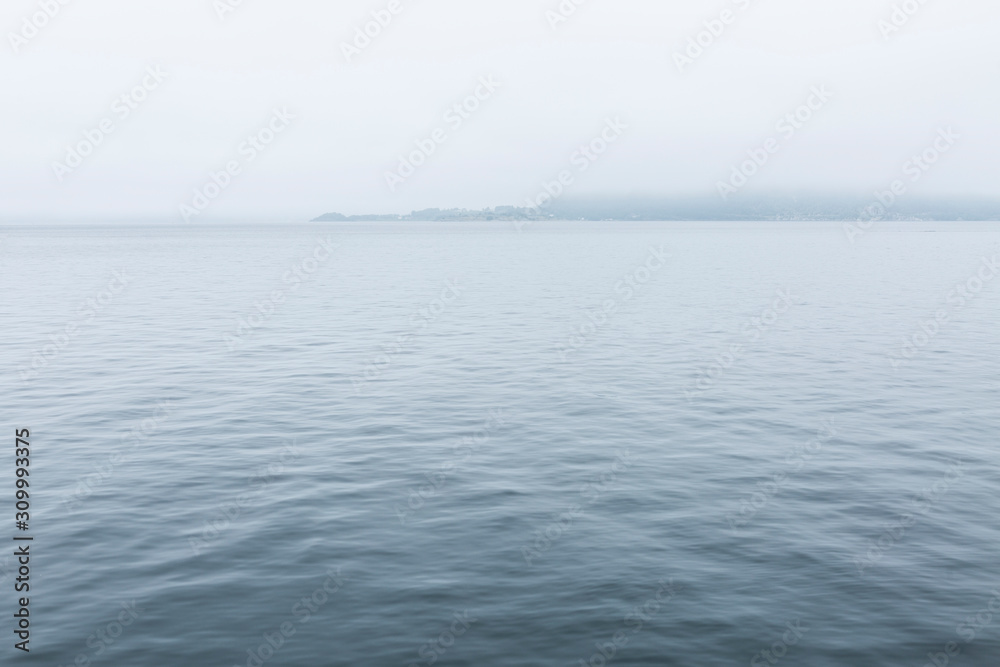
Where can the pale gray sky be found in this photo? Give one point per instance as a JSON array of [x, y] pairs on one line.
[[557, 86]]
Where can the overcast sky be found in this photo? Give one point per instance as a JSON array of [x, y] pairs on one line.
[[226, 72]]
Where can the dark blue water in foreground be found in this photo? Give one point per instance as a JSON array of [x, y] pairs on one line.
[[459, 445]]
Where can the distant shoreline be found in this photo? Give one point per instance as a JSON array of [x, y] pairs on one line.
[[792, 218], [699, 211]]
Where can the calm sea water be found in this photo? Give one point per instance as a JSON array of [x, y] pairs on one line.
[[631, 444]]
